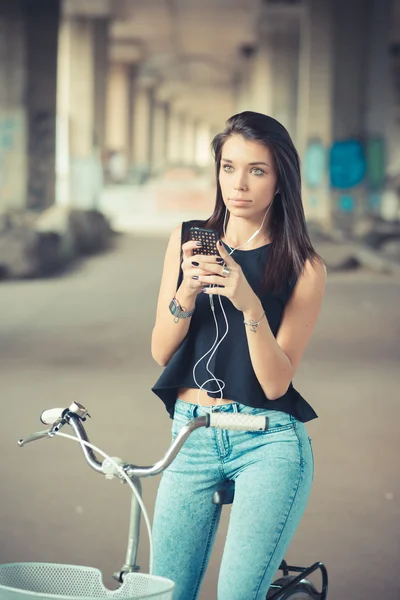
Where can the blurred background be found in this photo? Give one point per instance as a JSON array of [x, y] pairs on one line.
[[107, 111]]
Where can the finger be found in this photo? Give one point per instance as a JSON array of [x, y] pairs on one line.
[[223, 252], [207, 259], [220, 291], [214, 269], [212, 279], [198, 262], [188, 248], [191, 263], [192, 272], [193, 282]]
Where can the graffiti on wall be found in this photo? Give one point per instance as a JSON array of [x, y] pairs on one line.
[[348, 164], [41, 187], [315, 163], [11, 146], [376, 162], [314, 169]]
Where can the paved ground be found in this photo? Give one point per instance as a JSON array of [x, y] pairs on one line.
[[86, 336]]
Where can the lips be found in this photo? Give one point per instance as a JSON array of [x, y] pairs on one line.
[[240, 203]]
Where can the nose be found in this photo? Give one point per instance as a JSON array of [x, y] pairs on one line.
[[240, 183]]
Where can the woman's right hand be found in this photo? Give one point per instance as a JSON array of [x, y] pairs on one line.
[[192, 271]]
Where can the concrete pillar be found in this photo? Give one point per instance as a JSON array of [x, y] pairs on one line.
[[351, 96], [13, 113], [118, 89], [188, 141], [174, 143], [78, 140], [124, 114], [42, 24], [101, 38], [382, 126], [202, 157], [284, 48], [268, 75], [243, 81], [159, 138], [260, 81], [81, 89], [28, 67], [141, 133], [315, 109]]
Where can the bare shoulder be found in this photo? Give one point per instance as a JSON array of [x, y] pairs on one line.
[[302, 310], [175, 237], [174, 242], [313, 278]]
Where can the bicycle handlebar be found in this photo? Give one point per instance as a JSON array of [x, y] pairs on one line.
[[76, 414]]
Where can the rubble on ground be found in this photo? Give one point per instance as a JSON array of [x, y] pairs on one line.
[[38, 245], [374, 245]]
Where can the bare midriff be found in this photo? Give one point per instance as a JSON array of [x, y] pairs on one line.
[[193, 396]]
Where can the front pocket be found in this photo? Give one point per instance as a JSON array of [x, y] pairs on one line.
[[178, 422], [312, 458], [280, 428]]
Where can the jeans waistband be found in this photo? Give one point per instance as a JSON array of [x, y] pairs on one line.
[[191, 411]]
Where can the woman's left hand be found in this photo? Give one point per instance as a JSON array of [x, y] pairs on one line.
[[236, 286]]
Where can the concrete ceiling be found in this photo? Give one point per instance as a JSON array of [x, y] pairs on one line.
[[190, 49]]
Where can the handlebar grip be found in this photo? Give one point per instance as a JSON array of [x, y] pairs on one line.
[[49, 417], [238, 422]]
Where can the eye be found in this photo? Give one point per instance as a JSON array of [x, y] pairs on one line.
[[227, 168], [257, 171]]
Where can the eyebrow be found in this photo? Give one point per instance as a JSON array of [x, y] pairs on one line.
[[252, 164]]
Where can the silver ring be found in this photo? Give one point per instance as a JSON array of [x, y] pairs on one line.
[[226, 272]]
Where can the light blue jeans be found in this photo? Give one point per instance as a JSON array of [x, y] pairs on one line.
[[273, 473]]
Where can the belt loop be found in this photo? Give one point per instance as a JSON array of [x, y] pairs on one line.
[[235, 407]]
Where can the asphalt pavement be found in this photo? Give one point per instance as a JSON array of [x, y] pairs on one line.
[[85, 336]]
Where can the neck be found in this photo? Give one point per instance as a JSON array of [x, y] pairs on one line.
[[238, 231]]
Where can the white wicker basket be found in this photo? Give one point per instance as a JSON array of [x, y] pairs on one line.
[[40, 581]]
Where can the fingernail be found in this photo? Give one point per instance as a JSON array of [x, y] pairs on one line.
[[195, 264], [195, 277], [219, 259], [199, 243]]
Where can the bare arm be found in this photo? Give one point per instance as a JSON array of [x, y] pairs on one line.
[[275, 360], [168, 334]]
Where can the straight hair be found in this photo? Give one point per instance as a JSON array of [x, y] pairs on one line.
[[291, 245]]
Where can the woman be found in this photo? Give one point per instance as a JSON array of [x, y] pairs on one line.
[[270, 287]]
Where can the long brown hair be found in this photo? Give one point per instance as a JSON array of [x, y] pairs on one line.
[[291, 245]]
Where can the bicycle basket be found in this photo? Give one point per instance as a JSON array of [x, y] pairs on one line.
[[42, 581]]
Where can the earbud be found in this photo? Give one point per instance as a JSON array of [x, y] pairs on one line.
[[253, 236], [232, 250]]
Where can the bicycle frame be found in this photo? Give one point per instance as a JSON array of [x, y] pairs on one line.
[[76, 414], [74, 417]]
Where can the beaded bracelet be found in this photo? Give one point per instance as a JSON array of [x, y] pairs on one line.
[[254, 324]]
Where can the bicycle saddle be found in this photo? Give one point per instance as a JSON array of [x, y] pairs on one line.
[[224, 493]]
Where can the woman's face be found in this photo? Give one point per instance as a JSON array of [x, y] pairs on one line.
[[247, 176]]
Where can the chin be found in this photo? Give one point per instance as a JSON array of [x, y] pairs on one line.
[[243, 211]]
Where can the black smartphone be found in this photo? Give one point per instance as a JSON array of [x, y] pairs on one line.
[[208, 238]]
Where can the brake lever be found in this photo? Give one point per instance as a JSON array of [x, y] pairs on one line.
[[57, 422], [35, 436]]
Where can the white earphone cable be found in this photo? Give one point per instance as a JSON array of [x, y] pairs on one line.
[[122, 473], [220, 383]]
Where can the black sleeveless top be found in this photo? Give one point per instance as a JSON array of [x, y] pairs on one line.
[[231, 363]]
